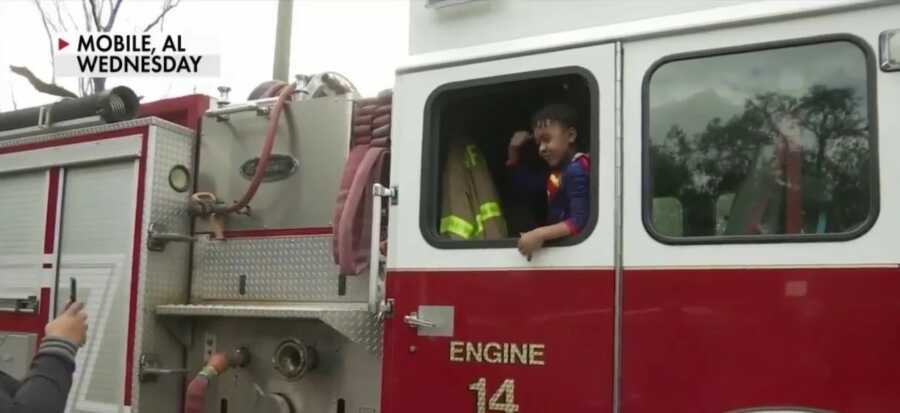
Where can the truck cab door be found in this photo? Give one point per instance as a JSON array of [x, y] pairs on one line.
[[475, 326]]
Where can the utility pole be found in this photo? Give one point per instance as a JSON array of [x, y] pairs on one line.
[[282, 61]]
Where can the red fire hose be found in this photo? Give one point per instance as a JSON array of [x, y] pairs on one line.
[[265, 153]]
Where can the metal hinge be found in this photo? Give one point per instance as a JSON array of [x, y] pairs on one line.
[[392, 193]]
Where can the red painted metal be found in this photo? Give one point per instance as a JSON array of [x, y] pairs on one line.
[[52, 204], [570, 312], [135, 266], [714, 340], [28, 322], [279, 232], [186, 111]]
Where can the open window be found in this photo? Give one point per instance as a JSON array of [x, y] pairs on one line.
[[468, 197], [775, 142]]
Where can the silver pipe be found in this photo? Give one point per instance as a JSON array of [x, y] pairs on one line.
[[618, 261], [241, 107]]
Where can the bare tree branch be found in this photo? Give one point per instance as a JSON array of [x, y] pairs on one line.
[[40, 85], [48, 24], [71, 19], [95, 15], [87, 18], [49, 39], [59, 16], [169, 5], [12, 96], [113, 14], [100, 12]]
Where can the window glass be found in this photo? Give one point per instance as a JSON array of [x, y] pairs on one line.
[[480, 186], [762, 143]]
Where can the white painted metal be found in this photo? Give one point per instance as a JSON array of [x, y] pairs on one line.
[[874, 247], [409, 250], [97, 233], [22, 215], [629, 28], [464, 25], [107, 149]]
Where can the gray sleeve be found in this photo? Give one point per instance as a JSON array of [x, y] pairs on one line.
[[47, 384], [8, 385]]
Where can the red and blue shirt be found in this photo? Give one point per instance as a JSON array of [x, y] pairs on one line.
[[567, 189]]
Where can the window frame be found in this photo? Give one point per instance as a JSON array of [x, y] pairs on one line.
[[429, 200], [872, 118]]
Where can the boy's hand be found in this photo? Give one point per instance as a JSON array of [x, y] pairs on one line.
[[518, 139], [70, 325], [529, 242]]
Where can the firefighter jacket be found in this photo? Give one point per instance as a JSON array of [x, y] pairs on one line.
[[470, 205]]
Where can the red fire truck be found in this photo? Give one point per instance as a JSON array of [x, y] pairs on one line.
[[737, 257]]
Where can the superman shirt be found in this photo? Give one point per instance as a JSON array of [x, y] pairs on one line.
[[567, 189]]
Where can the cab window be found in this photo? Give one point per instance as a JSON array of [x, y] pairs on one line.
[[770, 143], [473, 193]]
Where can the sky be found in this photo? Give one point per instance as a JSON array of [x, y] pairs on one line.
[[365, 40], [693, 92]]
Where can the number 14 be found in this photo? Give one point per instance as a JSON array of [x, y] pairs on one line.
[[507, 392]]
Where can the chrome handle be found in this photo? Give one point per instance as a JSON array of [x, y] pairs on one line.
[[376, 283], [414, 321], [149, 369], [28, 304]]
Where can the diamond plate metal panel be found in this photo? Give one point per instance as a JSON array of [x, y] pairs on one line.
[[276, 269], [360, 327], [109, 127], [352, 320], [164, 275]]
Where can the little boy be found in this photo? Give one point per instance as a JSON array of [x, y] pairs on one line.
[[567, 184]]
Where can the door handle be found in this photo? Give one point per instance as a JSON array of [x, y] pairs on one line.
[[414, 321], [431, 320], [28, 304]]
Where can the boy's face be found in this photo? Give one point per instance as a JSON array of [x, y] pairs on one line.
[[554, 141]]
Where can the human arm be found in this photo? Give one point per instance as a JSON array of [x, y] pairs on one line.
[[533, 240], [46, 387], [576, 182], [524, 178]]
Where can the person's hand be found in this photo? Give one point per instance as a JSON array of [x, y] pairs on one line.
[[529, 242], [70, 325], [518, 139], [218, 361]]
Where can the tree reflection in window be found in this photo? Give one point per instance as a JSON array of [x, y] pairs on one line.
[[764, 142]]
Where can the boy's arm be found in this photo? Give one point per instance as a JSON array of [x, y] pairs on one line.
[[523, 179], [578, 190]]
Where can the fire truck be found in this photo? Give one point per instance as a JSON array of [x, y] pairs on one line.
[[738, 255]]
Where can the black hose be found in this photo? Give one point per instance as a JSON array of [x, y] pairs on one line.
[[113, 105]]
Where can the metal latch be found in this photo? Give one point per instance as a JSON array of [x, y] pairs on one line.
[[431, 320], [149, 369], [157, 238], [414, 321], [29, 304]]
